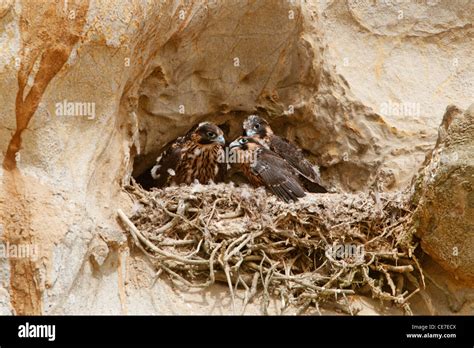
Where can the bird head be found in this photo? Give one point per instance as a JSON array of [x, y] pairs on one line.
[[244, 149], [245, 143], [208, 133], [256, 126]]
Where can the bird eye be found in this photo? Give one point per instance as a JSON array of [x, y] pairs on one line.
[[243, 141], [257, 126], [211, 134]]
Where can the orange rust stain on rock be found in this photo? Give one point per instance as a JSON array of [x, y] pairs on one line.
[[49, 32], [25, 293]]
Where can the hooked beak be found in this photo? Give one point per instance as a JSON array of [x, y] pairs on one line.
[[233, 144], [250, 132], [221, 140]]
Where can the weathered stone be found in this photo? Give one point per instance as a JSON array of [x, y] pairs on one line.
[[444, 218], [132, 66]]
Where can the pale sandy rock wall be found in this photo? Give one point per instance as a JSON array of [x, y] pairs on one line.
[[407, 60], [153, 69], [404, 52]]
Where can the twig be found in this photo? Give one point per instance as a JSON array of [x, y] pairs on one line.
[[282, 248], [145, 241]]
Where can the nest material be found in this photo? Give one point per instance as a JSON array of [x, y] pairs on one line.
[[317, 251]]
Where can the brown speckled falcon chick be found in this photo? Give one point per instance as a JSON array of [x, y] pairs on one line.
[[263, 167], [255, 126], [196, 156]]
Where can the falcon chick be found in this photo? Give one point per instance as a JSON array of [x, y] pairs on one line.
[[255, 126], [263, 167], [196, 156]]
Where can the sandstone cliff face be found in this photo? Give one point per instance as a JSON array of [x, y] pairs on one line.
[[445, 196], [361, 88]]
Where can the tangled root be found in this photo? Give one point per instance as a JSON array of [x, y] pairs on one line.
[[318, 251]]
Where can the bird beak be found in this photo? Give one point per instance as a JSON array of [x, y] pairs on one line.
[[221, 140], [233, 144], [250, 132]]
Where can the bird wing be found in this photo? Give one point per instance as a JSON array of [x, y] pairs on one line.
[[167, 162], [221, 175], [277, 175], [294, 156]]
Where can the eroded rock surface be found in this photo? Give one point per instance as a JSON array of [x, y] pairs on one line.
[[445, 196], [148, 71]]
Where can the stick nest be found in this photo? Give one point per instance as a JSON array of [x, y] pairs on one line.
[[319, 251]]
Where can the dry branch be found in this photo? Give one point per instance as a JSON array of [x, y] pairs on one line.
[[202, 234]]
